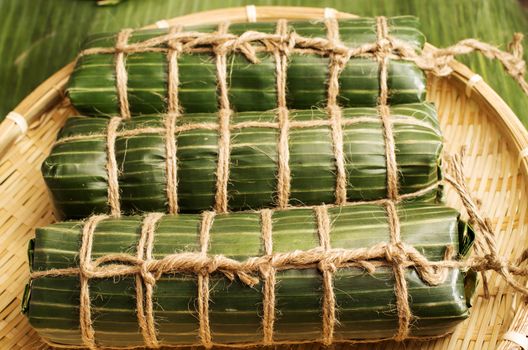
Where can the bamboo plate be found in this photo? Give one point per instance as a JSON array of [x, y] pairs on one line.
[[470, 113]]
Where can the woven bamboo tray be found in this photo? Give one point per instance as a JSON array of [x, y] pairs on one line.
[[470, 112]]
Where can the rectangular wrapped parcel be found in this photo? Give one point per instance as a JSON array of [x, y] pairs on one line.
[[323, 274], [257, 64], [200, 162]]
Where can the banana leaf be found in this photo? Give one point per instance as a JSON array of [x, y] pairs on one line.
[[77, 177], [365, 302], [251, 87]]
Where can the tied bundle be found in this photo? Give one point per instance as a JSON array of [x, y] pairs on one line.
[[246, 67], [327, 274], [174, 165]]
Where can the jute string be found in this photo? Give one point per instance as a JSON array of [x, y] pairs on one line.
[[397, 119], [327, 268], [268, 273], [281, 67], [170, 163], [337, 63], [224, 115], [384, 49], [112, 170], [85, 262], [121, 72], [203, 281], [400, 283], [144, 307], [173, 111]]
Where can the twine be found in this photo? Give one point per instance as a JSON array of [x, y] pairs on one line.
[[384, 49], [398, 119], [283, 172], [121, 73], [111, 167], [337, 63], [268, 273], [145, 313], [170, 163], [222, 172], [173, 111], [396, 253], [85, 261], [203, 281], [400, 283], [327, 268]]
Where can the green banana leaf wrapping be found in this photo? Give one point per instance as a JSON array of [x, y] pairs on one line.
[[364, 302], [76, 172], [251, 86]]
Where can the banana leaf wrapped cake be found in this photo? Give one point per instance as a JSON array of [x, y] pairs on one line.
[[199, 161], [188, 69], [327, 274]]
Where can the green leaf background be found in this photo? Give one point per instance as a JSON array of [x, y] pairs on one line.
[[38, 37]]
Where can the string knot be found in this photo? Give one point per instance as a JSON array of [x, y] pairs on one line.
[[148, 277], [341, 60], [494, 262], [326, 265], [210, 265], [285, 44], [241, 44], [175, 46], [384, 46], [121, 40], [86, 269], [395, 253], [220, 50], [173, 43], [265, 268]]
